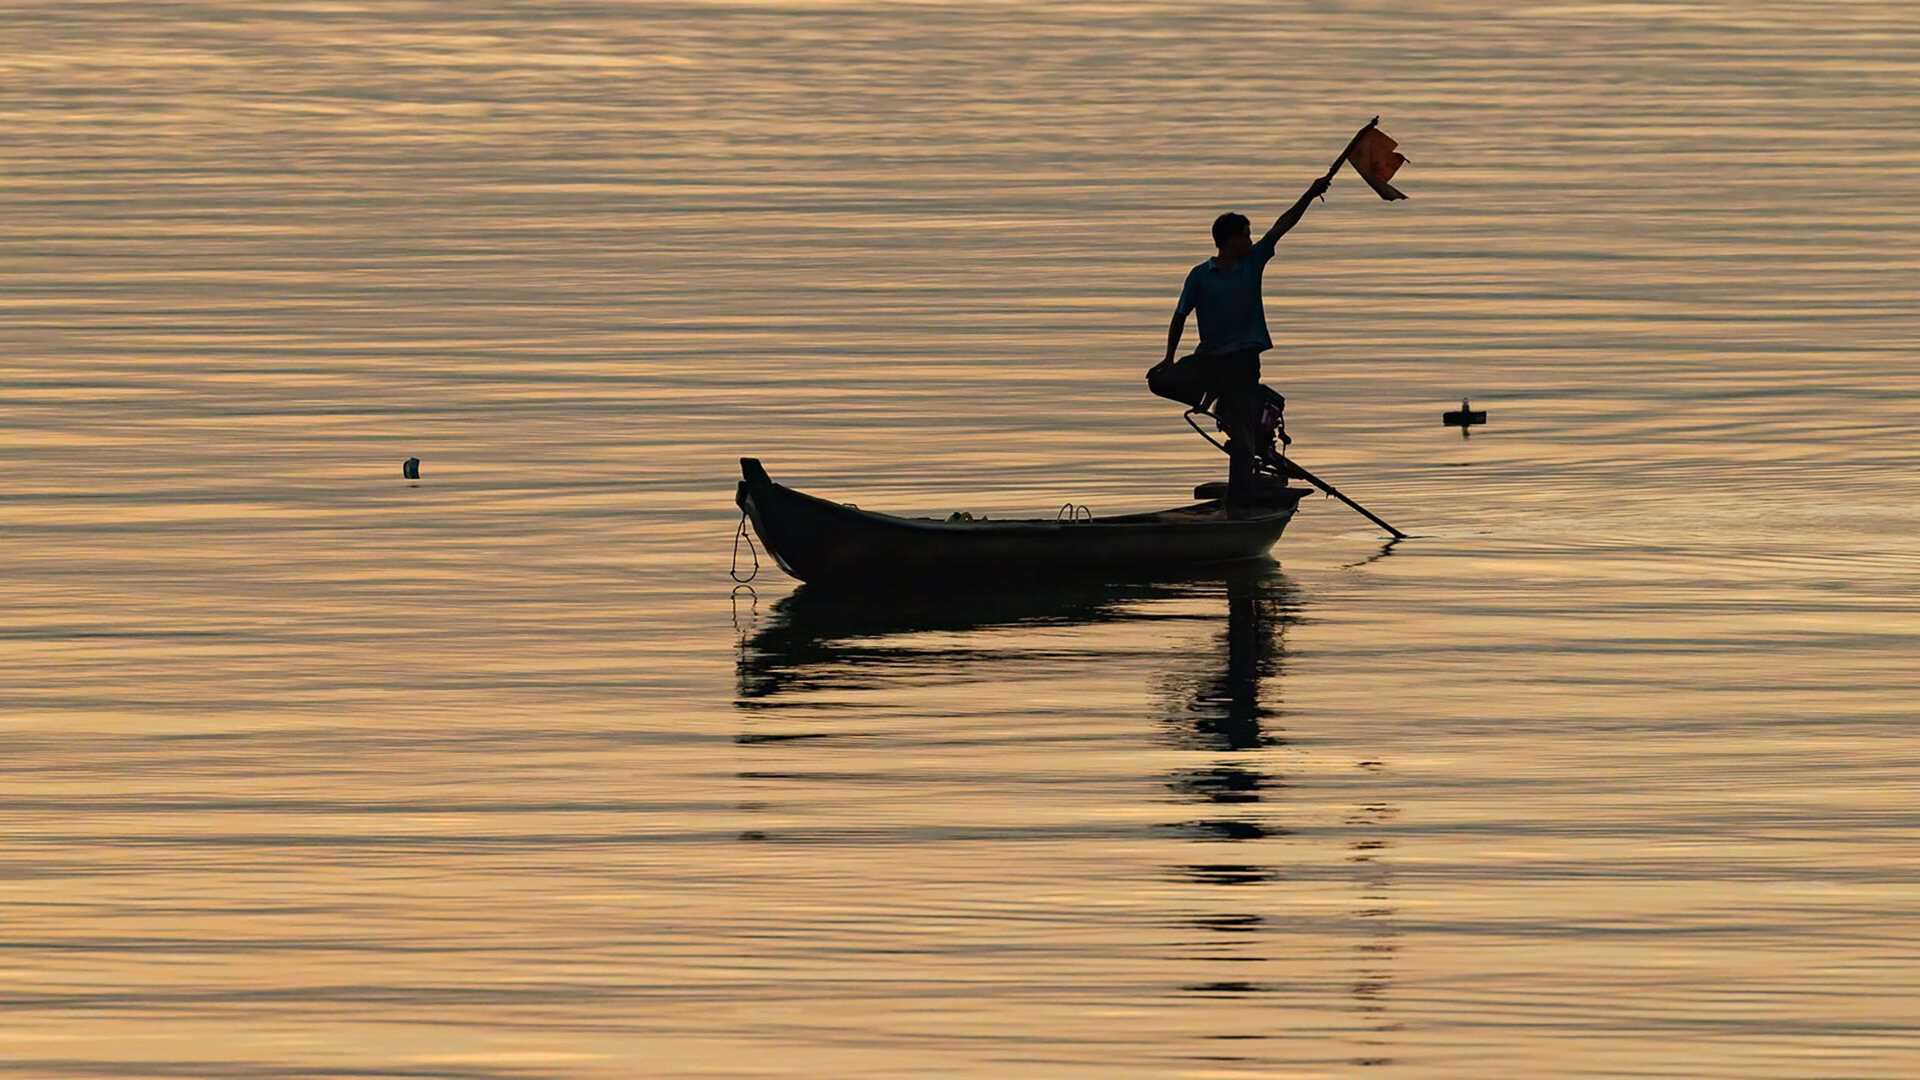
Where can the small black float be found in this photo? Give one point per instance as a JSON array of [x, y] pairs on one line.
[[410, 468], [1464, 417]]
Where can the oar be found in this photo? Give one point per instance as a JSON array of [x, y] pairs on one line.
[[1294, 468], [1351, 143]]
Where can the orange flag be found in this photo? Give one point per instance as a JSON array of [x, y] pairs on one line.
[[1374, 158]]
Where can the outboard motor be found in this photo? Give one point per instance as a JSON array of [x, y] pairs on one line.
[[1273, 421]]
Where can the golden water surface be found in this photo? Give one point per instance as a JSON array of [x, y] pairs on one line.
[[312, 771]]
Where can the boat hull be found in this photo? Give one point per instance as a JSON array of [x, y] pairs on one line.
[[816, 540]]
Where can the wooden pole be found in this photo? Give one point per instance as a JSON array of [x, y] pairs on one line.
[[1295, 468], [1290, 467]]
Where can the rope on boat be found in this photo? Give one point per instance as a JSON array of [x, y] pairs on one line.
[[1072, 512], [740, 534], [1190, 414]]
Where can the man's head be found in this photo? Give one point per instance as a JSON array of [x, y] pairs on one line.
[[1233, 234]]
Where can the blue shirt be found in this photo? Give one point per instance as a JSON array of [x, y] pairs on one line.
[[1231, 318]]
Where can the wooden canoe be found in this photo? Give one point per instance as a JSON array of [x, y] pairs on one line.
[[815, 539]]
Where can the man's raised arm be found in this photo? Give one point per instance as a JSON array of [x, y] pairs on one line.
[[1292, 217]]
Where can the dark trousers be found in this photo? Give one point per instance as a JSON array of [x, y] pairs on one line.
[[1237, 382]]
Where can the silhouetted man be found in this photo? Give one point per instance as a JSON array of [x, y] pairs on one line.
[[1225, 290]]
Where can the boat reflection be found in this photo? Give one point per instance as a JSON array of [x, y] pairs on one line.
[[1220, 707], [818, 639]]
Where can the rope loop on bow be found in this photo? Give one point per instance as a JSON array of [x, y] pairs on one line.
[[740, 534]]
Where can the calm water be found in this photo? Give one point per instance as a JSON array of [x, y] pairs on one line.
[[311, 771]]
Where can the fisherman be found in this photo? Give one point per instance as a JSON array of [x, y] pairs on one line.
[[1225, 290]]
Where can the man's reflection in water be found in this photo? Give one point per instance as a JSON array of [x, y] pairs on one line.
[[1216, 709], [1225, 709], [1230, 712]]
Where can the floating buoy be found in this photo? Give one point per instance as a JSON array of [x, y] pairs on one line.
[[1465, 417], [411, 468]]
